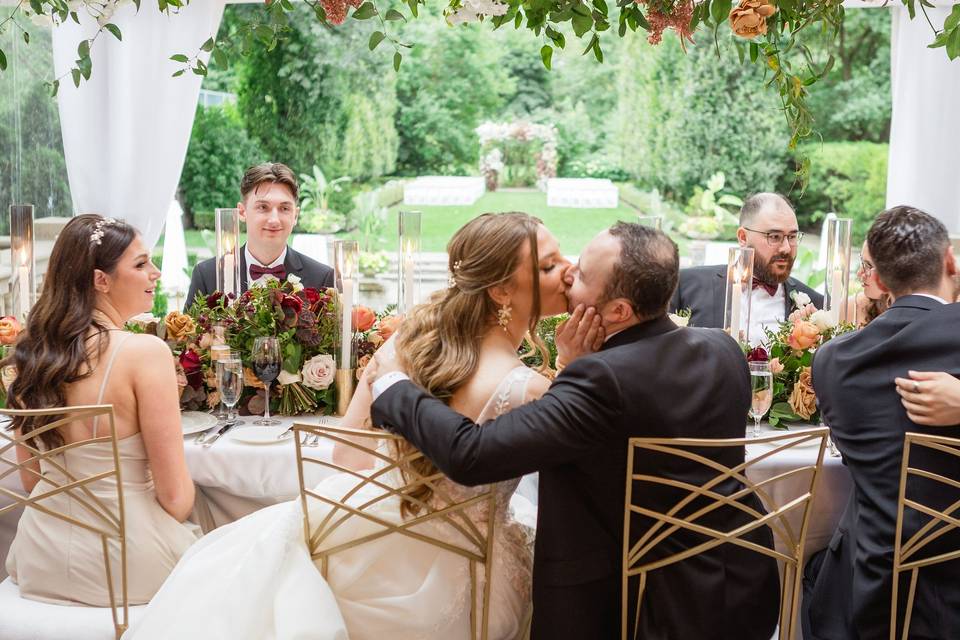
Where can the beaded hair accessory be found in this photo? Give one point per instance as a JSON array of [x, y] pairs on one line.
[[97, 236], [452, 280]]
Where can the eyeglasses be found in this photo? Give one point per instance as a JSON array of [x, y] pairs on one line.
[[866, 267], [775, 238]]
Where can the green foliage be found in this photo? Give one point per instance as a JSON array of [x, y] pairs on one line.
[[440, 104], [321, 98], [220, 151], [848, 178], [683, 117]]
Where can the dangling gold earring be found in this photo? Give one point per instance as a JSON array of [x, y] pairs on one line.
[[503, 316]]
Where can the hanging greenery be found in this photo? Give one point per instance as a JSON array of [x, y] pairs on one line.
[[770, 33]]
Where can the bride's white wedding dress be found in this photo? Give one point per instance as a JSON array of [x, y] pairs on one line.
[[254, 579]]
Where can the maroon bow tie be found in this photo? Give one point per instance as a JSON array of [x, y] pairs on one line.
[[769, 288], [257, 271]]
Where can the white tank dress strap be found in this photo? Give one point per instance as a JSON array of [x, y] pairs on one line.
[[106, 374]]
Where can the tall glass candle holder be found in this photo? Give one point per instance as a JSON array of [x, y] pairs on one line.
[[345, 257], [228, 252], [408, 281], [736, 306], [651, 221], [837, 281], [22, 260]]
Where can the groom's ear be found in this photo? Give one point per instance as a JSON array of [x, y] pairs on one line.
[[618, 310]]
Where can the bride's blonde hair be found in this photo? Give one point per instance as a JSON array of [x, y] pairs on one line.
[[439, 344]]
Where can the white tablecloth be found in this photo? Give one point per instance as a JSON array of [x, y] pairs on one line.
[[832, 491]]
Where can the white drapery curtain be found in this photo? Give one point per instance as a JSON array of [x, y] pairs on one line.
[[924, 169], [125, 132]]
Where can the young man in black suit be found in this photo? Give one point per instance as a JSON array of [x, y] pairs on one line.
[[268, 206], [768, 225], [650, 378], [848, 586]]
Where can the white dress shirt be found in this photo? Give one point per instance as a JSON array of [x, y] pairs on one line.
[[251, 260], [766, 312]]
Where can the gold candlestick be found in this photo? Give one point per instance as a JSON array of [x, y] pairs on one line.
[[345, 380]]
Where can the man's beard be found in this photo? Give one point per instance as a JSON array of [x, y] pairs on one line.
[[763, 272]]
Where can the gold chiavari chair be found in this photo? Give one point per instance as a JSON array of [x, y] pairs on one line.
[[797, 483], [906, 553], [392, 477], [89, 511]]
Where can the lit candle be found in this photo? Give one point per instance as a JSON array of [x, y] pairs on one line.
[[408, 267], [23, 292], [346, 329], [229, 265], [736, 302]]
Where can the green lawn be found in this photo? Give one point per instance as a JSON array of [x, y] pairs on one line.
[[572, 227]]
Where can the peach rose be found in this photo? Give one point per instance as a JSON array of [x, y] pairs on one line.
[[363, 318], [804, 335], [179, 326], [803, 401], [9, 330], [250, 379], [749, 18], [318, 372], [775, 366], [388, 326]]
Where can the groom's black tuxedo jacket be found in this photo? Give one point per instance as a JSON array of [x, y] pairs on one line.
[[653, 379], [702, 290], [311, 273], [848, 586]]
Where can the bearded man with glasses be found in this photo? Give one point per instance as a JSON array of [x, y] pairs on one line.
[[768, 224]]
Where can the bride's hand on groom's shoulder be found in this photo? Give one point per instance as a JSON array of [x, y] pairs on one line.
[[579, 335]]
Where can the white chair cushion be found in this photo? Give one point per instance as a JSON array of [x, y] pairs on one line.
[[23, 619]]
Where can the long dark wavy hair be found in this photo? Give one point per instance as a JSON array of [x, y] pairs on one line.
[[56, 348]]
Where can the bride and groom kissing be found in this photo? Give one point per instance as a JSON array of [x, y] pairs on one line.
[[452, 384]]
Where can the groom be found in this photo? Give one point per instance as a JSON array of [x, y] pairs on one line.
[[268, 207], [576, 437]]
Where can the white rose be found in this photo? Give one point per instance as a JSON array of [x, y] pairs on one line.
[[286, 377], [7, 375], [318, 372], [680, 321], [822, 319], [800, 299], [295, 281]]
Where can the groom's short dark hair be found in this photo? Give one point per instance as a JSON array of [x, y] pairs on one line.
[[647, 271], [907, 247]]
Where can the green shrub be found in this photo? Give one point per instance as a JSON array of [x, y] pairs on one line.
[[219, 152], [847, 178]]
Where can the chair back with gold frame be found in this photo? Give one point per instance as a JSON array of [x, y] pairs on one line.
[[89, 511], [906, 553], [798, 483], [392, 477]]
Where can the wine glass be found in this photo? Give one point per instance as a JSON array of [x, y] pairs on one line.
[[230, 384], [266, 366], [220, 352], [761, 386]]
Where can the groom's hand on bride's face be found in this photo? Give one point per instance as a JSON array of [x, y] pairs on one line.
[[579, 335]]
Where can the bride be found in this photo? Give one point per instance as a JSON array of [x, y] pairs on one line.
[[255, 579]]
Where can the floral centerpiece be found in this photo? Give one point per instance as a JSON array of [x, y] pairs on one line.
[[304, 320], [10, 329], [790, 350]]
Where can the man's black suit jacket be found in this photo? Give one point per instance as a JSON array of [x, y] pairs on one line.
[[702, 290], [653, 379], [849, 586], [311, 273]]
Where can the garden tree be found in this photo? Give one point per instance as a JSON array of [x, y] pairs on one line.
[[31, 150], [220, 151], [533, 90], [853, 102], [440, 103], [321, 98], [682, 118]]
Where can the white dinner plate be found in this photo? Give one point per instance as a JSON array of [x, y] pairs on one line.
[[254, 434], [196, 421]]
